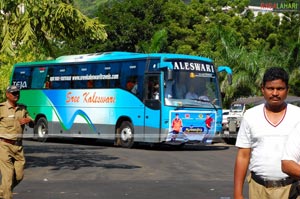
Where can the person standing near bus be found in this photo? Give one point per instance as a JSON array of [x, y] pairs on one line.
[[13, 118], [261, 138]]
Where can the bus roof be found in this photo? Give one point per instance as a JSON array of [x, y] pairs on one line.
[[105, 56]]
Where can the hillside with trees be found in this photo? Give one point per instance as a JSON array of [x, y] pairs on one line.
[[226, 31], [233, 36], [89, 7]]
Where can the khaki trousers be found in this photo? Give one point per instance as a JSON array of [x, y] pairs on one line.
[[257, 191], [12, 162]]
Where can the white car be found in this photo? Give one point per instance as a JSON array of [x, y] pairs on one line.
[[224, 120]]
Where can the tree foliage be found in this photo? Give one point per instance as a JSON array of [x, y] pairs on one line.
[[43, 25], [235, 36], [223, 30], [88, 7], [35, 30]]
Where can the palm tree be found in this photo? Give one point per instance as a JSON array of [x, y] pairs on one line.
[[157, 43]]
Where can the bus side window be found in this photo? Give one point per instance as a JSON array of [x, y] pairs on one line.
[[62, 77], [90, 84], [132, 85], [152, 93], [81, 71], [39, 77], [155, 91], [47, 83], [22, 77], [129, 84]]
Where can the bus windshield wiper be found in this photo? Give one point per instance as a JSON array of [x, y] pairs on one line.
[[207, 100]]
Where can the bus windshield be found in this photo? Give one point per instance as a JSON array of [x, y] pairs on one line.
[[192, 89]]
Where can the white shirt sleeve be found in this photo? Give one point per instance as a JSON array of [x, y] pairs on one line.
[[243, 139], [292, 146]]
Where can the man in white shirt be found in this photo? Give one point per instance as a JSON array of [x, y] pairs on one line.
[[261, 138]]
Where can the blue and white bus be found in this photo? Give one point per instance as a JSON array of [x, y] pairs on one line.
[[122, 96]]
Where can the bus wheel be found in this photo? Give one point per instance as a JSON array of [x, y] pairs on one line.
[[41, 129], [126, 135]]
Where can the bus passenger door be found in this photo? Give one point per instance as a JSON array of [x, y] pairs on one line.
[[152, 100]]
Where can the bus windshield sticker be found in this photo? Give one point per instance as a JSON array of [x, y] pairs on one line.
[[210, 75], [188, 126]]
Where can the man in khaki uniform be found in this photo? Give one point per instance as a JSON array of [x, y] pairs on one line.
[[13, 118]]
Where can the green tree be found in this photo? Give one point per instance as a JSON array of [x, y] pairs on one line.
[[157, 42], [224, 30], [130, 24], [250, 56], [36, 30], [40, 25], [88, 7]]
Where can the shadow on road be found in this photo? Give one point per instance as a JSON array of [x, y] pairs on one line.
[[186, 147], [71, 157], [87, 153]]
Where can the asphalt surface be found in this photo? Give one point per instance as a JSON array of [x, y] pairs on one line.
[[84, 169]]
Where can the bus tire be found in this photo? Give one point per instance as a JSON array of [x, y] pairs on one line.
[[126, 137], [41, 129]]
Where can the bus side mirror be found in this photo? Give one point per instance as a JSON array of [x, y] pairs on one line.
[[228, 70]]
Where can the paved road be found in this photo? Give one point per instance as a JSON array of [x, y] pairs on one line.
[[68, 169]]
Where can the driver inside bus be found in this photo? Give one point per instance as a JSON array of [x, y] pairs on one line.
[[191, 94]]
